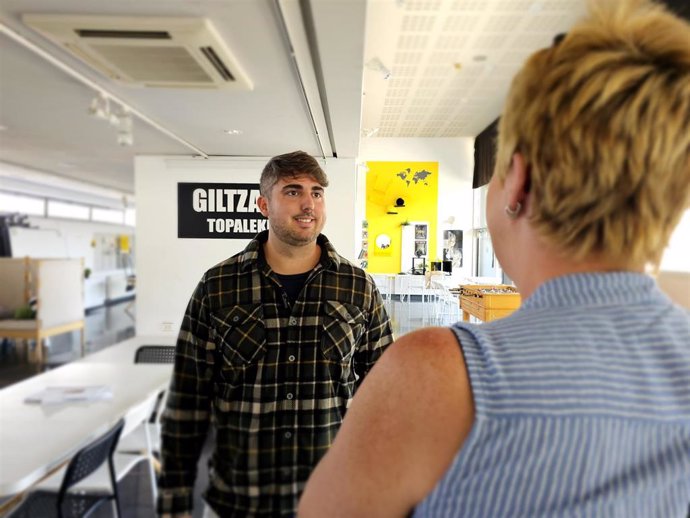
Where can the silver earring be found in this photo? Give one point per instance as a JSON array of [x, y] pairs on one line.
[[513, 213]]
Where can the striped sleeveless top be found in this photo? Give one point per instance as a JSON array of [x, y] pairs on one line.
[[582, 401]]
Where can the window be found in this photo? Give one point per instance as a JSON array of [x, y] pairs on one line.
[[130, 217], [58, 209], [107, 215], [23, 204]]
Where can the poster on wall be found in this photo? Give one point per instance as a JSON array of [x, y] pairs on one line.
[[218, 211], [452, 247]]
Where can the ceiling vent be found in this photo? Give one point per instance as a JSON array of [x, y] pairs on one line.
[[150, 52]]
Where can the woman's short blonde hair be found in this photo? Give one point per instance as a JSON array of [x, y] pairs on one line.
[[603, 121]]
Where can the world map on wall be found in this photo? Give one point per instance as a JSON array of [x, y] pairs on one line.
[[408, 176]]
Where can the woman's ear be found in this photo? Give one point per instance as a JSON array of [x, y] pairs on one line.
[[517, 182]]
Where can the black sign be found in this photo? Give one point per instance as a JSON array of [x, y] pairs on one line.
[[219, 210]]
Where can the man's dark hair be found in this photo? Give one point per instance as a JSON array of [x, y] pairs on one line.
[[295, 164]]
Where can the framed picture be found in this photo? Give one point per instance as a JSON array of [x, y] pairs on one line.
[[452, 247]]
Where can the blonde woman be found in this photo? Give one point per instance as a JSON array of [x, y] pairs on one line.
[[578, 404]]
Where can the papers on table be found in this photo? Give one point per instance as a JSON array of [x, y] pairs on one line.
[[59, 395]]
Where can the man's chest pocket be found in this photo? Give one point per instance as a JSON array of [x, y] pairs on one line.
[[241, 340], [343, 328]]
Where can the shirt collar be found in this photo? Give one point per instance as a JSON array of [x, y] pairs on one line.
[[253, 253]]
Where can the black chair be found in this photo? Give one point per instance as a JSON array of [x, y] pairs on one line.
[[155, 354], [145, 439], [66, 504]]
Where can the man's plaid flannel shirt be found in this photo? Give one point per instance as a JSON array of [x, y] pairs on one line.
[[275, 378]]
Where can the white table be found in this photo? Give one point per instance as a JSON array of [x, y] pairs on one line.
[[34, 439], [123, 352]]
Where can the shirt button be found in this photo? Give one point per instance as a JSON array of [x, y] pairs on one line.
[[291, 357], [288, 435], [289, 395], [235, 318], [293, 321]]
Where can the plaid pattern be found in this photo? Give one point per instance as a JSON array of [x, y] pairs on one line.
[[275, 379]]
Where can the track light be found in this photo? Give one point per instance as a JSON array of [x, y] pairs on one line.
[[377, 65], [100, 108], [124, 129], [73, 73]]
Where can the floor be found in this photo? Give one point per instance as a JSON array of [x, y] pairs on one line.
[[110, 325]]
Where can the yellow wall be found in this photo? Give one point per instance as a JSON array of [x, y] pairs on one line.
[[385, 183]]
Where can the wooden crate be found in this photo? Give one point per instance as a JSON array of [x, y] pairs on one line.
[[478, 301]]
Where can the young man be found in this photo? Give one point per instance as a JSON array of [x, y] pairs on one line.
[[273, 344]]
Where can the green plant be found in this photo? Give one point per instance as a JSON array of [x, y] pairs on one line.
[[24, 313], [87, 273]]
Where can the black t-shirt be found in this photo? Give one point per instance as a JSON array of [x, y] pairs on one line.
[[293, 284]]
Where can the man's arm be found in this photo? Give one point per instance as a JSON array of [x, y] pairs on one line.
[[401, 433], [378, 336], [186, 418]]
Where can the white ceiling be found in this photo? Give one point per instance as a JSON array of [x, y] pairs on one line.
[[451, 61], [437, 87], [45, 115]]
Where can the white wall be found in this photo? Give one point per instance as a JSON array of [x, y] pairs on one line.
[[676, 257], [75, 238], [169, 268], [455, 157]]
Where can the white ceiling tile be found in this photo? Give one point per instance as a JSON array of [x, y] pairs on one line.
[[522, 6], [400, 82], [422, 5], [418, 23], [412, 41], [503, 22], [394, 102], [443, 58], [458, 23], [469, 5], [398, 92], [404, 71], [438, 70], [451, 42], [493, 41], [433, 97], [407, 58]]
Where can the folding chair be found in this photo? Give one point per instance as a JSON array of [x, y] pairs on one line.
[[64, 503]]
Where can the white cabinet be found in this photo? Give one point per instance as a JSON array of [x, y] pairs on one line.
[[415, 244]]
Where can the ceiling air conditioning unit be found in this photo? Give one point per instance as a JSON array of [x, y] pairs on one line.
[[146, 51]]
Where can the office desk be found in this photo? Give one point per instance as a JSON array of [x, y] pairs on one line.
[[34, 330], [35, 439]]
